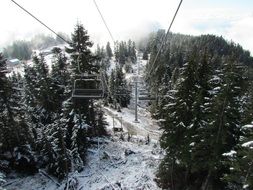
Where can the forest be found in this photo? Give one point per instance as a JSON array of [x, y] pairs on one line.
[[203, 86], [203, 89]]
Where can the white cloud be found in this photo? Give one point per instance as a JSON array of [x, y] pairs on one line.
[[129, 18], [241, 32]]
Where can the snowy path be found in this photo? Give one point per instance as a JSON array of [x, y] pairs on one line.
[[146, 125]]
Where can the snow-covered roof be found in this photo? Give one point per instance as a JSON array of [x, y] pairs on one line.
[[14, 60]]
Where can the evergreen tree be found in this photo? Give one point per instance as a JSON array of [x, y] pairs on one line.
[[80, 51], [112, 88], [108, 50], [62, 155], [145, 55], [186, 128], [101, 123], [2, 181], [10, 120], [81, 56], [82, 114], [240, 161], [60, 78], [118, 89], [175, 139], [9, 137], [225, 122]]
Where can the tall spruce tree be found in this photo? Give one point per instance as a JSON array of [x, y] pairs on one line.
[[108, 50], [174, 169], [225, 121], [82, 114], [241, 163]]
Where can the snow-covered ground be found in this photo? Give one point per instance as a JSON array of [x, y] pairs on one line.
[[122, 165], [117, 164], [146, 126]]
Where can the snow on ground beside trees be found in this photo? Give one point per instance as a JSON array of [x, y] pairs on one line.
[[146, 126], [118, 164], [129, 165]]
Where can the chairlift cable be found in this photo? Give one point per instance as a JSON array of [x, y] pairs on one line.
[[165, 36], [42, 23], [102, 17]]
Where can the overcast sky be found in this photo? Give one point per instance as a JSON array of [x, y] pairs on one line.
[[233, 19]]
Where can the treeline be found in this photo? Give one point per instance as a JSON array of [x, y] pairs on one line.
[[40, 125], [205, 99], [125, 52], [23, 49], [118, 91]]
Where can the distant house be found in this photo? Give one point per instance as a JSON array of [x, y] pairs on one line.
[[46, 52], [13, 62]]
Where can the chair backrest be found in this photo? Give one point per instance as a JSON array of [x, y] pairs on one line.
[[87, 89], [147, 98]]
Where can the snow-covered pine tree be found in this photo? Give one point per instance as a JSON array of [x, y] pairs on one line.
[[100, 123], [108, 50], [123, 54], [247, 106], [60, 77], [31, 107], [112, 88], [9, 136], [14, 132], [80, 49], [225, 120], [241, 163], [2, 181], [45, 90], [62, 162], [79, 142], [118, 89], [121, 88], [47, 149], [81, 116], [174, 170], [16, 137], [145, 55], [131, 51], [102, 59], [18, 106], [200, 122]]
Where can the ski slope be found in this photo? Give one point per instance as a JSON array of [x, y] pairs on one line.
[[113, 164], [125, 160]]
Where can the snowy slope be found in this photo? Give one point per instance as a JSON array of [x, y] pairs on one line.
[[117, 165], [122, 165]]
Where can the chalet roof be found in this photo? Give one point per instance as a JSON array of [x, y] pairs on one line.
[[13, 60]]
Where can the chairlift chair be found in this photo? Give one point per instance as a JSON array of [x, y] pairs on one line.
[[88, 88], [147, 98]]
